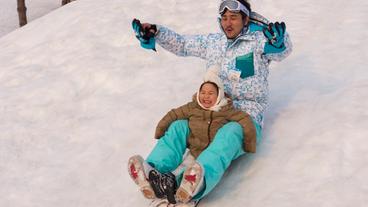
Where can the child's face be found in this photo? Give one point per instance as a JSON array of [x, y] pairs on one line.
[[208, 95]]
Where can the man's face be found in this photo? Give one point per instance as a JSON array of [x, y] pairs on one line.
[[232, 23]]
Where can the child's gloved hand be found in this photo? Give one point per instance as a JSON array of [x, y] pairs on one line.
[[145, 35], [275, 34]]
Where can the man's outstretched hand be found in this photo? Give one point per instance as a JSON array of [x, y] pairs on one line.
[[145, 33], [275, 33]]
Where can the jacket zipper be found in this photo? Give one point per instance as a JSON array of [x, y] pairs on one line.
[[208, 130]]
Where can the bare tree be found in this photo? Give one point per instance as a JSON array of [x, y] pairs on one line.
[[63, 2], [22, 10]]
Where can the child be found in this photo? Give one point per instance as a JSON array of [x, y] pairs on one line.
[[206, 113]]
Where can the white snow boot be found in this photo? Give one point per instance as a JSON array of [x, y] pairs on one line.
[[165, 203], [138, 170], [191, 203], [159, 202], [191, 184]]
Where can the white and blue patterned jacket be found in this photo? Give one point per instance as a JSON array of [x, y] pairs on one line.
[[244, 65]]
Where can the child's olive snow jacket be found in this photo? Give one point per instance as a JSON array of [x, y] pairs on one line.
[[204, 124]]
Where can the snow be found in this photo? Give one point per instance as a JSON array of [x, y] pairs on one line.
[[78, 97]]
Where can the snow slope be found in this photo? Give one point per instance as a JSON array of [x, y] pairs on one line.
[[80, 97]]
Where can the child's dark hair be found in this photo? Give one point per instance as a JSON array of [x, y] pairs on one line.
[[214, 84]]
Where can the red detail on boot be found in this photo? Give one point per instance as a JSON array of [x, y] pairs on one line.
[[190, 178], [133, 172]]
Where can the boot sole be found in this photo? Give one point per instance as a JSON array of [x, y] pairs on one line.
[[136, 172], [187, 188], [182, 195]]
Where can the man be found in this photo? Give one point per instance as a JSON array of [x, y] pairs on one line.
[[242, 52]]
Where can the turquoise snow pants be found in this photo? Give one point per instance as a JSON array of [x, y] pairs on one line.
[[227, 145]]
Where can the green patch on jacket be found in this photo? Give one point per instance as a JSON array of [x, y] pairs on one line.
[[245, 64]]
